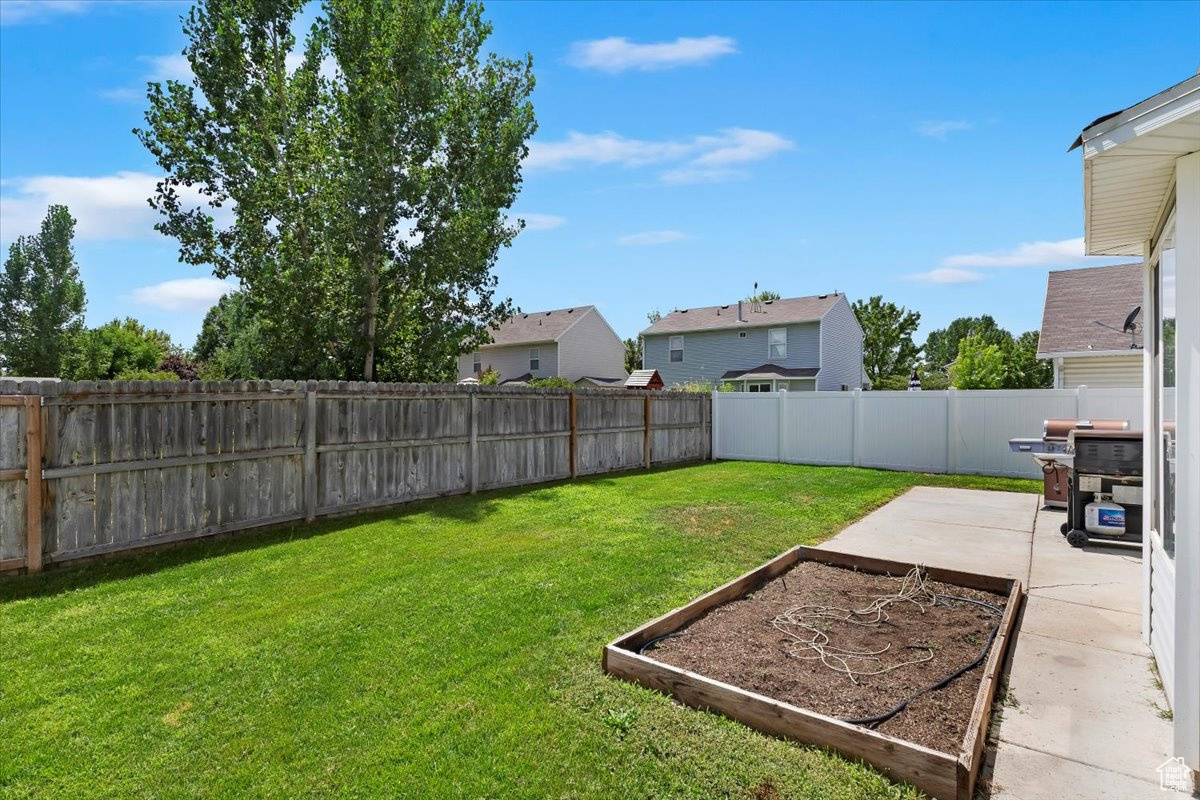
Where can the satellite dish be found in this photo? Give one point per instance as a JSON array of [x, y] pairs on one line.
[[1130, 326]]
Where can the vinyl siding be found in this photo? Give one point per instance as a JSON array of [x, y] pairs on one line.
[[1101, 372], [512, 361], [841, 349], [707, 355], [590, 348]]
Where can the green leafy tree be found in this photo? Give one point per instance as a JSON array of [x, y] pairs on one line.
[[118, 349], [980, 365], [230, 343], [941, 346], [1023, 369], [364, 208], [41, 300], [762, 296], [633, 354], [888, 348]]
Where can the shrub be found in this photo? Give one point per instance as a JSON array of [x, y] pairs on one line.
[[555, 382]]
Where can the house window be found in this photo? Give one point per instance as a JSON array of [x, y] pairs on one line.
[[741, 334], [777, 343], [758, 387], [676, 348], [477, 364], [535, 359]]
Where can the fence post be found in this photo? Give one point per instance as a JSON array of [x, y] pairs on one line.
[[781, 449], [473, 449], [714, 413], [951, 431], [33, 490], [1081, 402], [574, 440], [646, 433], [856, 429], [310, 454]]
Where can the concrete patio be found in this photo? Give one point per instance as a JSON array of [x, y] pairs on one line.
[[1083, 716]]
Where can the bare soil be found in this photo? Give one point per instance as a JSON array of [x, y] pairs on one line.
[[737, 644]]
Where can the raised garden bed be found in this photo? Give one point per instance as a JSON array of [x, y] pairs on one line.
[[859, 654]]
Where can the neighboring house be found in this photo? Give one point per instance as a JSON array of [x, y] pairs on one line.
[[568, 342], [1081, 327], [1141, 198], [793, 344]]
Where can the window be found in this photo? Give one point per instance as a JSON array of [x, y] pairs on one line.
[[676, 348], [477, 364], [758, 387], [777, 343], [535, 359], [1165, 377], [741, 334]]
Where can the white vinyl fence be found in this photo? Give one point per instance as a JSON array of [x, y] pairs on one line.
[[963, 432]]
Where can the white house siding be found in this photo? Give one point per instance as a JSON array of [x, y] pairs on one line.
[[512, 361], [707, 355], [1101, 372], [591, 348], [841, 349]]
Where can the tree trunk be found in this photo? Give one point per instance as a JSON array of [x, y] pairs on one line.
[[372, 312]]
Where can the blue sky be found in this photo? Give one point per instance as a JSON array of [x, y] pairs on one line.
[[685, 150]]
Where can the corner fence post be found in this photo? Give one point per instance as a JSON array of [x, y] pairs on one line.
[[646, 432], [473, 450], [856, 435], [33, 491], [952, 431], [310, 454], [713, 413], [574, 439], [781, 429]]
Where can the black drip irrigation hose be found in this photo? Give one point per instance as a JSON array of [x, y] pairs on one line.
[[642, 650], [879, 719]]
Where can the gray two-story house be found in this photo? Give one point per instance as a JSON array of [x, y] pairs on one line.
[[793, 344], [573, 343]]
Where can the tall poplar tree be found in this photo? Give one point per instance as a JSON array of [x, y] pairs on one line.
[[356, 185], [41, 299]]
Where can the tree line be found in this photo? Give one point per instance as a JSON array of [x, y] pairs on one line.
[[355, 181], [969, 353]]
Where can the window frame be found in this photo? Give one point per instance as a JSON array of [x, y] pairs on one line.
[[672, 349], [535, 359], [773, 344], [477, 363]]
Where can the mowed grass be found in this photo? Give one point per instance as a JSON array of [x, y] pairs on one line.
[[450, 648]]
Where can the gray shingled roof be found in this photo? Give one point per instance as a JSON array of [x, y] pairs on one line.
[[1077, 298], [772, 370], [537, 326], [773, 312]]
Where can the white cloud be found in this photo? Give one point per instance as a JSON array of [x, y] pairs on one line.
[[940, 129], [184, 294], [618, 54], [602, 148], [14, 12], [699, 159], [105, 207], [171, 67], [651, 238], [1028, 254], [946, 275], [541, 222]]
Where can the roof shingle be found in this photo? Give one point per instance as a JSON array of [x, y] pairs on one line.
[[1077, 299], [771, 312], [536, 326]]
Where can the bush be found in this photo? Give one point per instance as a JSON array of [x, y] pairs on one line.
[[184, 368], [555, 382], [489, 377], [145, 375]]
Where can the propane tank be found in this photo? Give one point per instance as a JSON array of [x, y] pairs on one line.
[[1104, 517]]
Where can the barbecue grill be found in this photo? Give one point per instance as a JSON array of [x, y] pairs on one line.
[[1105, 500], [1054, 453]]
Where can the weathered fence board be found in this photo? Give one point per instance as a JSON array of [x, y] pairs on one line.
[[127, 465]]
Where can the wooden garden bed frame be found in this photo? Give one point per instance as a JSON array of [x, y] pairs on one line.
[[937, 774]]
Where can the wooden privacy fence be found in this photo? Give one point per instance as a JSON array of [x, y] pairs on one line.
[[128, 465]]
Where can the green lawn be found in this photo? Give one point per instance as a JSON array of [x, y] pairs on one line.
[[450, 648]]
